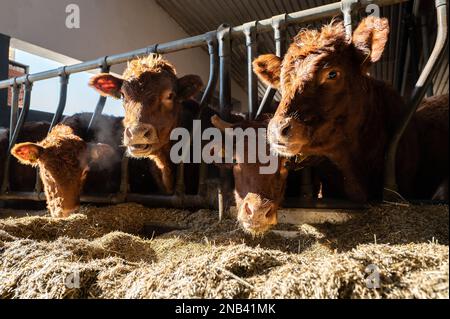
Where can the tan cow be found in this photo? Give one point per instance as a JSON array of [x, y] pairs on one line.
[[63, 159]]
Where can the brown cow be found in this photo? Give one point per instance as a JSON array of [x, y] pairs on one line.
[[153, 99], [257, 195], [331, 107], [63, 159]]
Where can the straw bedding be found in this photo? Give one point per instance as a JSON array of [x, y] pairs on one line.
[[107, 252]]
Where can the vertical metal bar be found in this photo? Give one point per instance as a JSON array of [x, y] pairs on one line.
[[4, 66], [406, 68], [206, 99], [347, 7], [14, 136], [180, 189], [64, 80], [279, 35], [213, 70], [405, 12], [123, 190], [101, 100], [250, 32], [14, 109], [12, 126], [223, 37], [432, 65], [425, 46]]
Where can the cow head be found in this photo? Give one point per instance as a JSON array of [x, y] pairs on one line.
[[323, 81], [152, 97], [63, 159], [257, 195]]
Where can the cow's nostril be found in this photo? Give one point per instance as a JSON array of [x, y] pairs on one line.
[[148, 134], [285, 130], [128, 133], [248, 210], [270, 212]]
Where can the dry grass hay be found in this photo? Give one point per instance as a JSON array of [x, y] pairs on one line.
[[103, 252]]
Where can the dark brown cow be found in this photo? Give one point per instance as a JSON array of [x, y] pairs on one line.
[[63, 159], [257, 195], [153, 99], [331, 107]]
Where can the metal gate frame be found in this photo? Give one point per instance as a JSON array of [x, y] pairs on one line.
[[219, 44]]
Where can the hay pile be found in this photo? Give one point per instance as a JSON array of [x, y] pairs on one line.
[[107, 253]]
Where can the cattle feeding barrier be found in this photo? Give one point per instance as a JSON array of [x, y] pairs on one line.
[[219, 45]]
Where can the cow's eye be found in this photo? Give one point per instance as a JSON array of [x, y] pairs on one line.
[[332, 75], [170, 96]]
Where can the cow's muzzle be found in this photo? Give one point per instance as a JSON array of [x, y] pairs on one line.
[[140, 139], [283, 135], [257, 214]]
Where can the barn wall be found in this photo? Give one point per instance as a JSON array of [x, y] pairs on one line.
[[106, 27]]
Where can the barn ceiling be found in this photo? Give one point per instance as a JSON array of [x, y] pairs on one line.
[[199, 16]]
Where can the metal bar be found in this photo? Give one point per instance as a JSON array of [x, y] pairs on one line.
[[179, 185], [150, 199], [406, 68], [64, 80], [206, 99], [223, 37], [252, 81], [4, 66], [12, 126], [390, 183], [316, 13], [101, 100], [308, 15], [124, 187], [425, 46], [347, 7], [14, 136], [224, 41], [403, 53], [279, 35], [213, 70], [14, 109]]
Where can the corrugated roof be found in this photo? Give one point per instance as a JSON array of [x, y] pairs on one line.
[[199, 16]]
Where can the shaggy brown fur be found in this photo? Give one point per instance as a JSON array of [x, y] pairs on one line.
[[152, 97], [63, 159], [331, 107]]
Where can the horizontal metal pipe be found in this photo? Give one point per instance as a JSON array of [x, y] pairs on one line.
[[316, 13], [292, 202], [168, 47], [195, 41], [149, 199]]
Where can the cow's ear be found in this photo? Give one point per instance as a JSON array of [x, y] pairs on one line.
[[268, 68], [106, 84], [27, 153], [188, 87], [100, 152], [370, 38]]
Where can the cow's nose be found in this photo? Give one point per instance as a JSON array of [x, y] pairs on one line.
[[280, 127], [261, 214], [139, 133]]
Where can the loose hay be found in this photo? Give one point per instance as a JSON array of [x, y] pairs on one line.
[[102, 252]]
